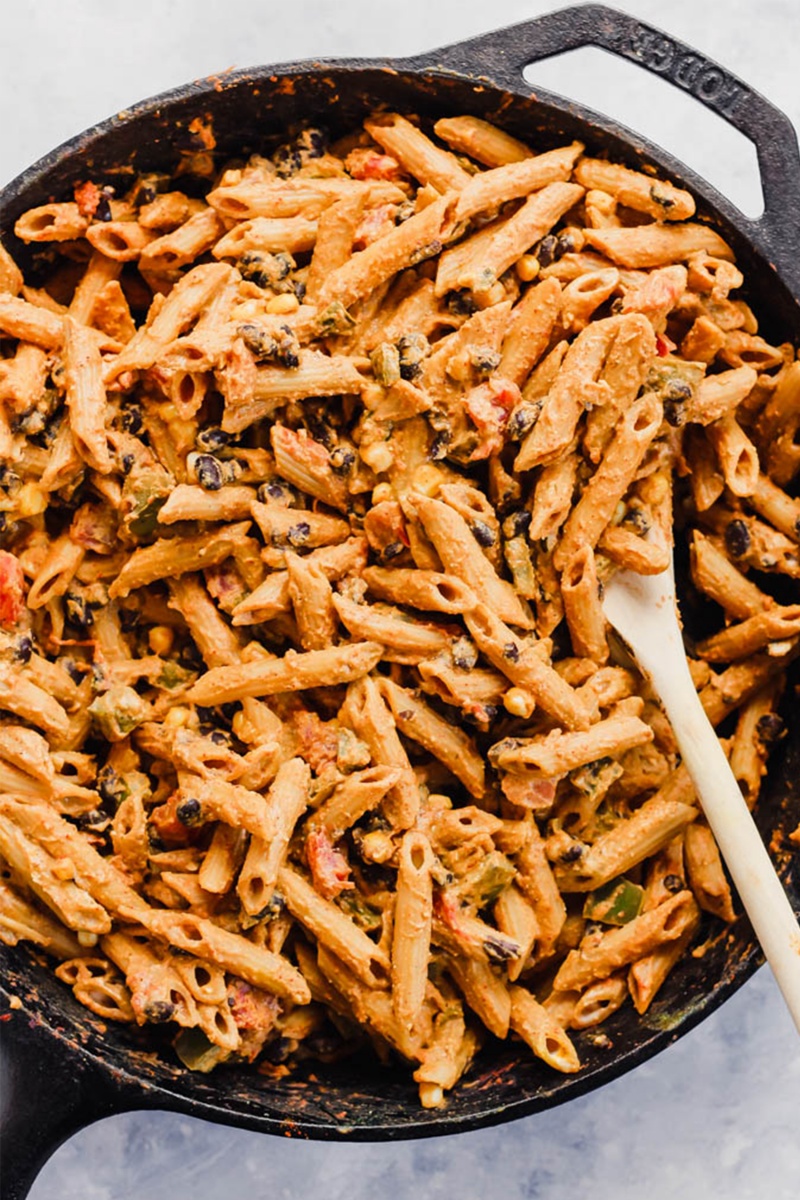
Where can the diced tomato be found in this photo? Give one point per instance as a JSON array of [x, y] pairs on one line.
[[375, 223], [317, 740], [12, 589], [536, 794], [489, 405], [87, 197], [330, 870], [166, 826], [367, 163], [664, 345]]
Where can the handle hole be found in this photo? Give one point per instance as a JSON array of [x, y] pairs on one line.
[[662, 113]]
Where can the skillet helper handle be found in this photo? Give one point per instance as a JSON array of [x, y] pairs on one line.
[[47, 1095], [504, 54]]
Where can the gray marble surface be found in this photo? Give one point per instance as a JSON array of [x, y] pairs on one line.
[[716, 1115]]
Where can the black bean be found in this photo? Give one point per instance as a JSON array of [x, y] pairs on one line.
[[78, 611], [159, 1011], [674, 413], [299, 534], [213, 438], [280, 1050], [132, 419], [392, 550], [565, 244], [439, 445], [190, 812], [464, 654], [94, 819], [546, 250], [511, 651], [209, 472], [460, 304], [272, 491], [572, 853], [103, 210], [770, 728], [342, 460], [737, 538], [518, 523], [485, 361], [126, 463], [73, 670], [522, 420], [482, 533], [677, 389], [674, 883], [23, 649]]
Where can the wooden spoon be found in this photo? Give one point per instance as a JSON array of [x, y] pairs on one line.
[[642, 608]]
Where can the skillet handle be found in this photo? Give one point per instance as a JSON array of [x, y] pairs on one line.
[[504, 54], [49, 1092]]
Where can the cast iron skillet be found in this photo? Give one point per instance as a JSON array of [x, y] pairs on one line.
[[64, 1068]]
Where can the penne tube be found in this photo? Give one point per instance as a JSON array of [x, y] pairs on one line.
[[306, 464], [157, 989], [556, 753], [478, 262], [86, 396], [718, 396], [598, 1002], [751, 635], [480, 140], [20, 919], [715, 575], [415, 719], [537, 883], [657, 245], [775, 506], [274, 235], [636, 190], [530, 330], [736, 454], [598, 957], [366, 713], [272, 596], [648, 973], [421, 157], [580, 589], [74, 906], [119, 241], [25, 699], [172, 557], [409, 243], [11, 279], [462, 557], [61, 222], [293, 672], [180, 246], [539, 1030], [705, 872], [222, 859], [334, 930], [285, 804], [648, 830], [631, 552], [201, 937], [612, 478], [484, 991], [295, 197], [757, 727], [411, 931], [430, 591], [404, 639], [186, 502], [491, 189], [521, 663], [354, 796], [515, 916], [217, 642], [313, 603]]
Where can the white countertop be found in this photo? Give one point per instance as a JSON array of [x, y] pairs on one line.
[[716, 1115]]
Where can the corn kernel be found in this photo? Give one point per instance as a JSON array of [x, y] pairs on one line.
[[14, 1002], [160, 639], [64, 869], [31, 500], [377, 846], [519, 703], [286, 302], [384, 491], [87, 939], [378, 456], [527, 268], [427, 479], [493, 295], [177, 717]]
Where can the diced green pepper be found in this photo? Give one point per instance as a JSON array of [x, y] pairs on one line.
[[483, 884], [117, 712], [364, 915], [615, 903], [196, 1052]]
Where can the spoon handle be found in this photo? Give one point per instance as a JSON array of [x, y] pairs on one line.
[[750, 866]]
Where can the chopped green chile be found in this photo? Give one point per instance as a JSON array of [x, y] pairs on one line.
[[615, 903], [117, 712], [362, 914], [482, 886], [196, 1052]]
